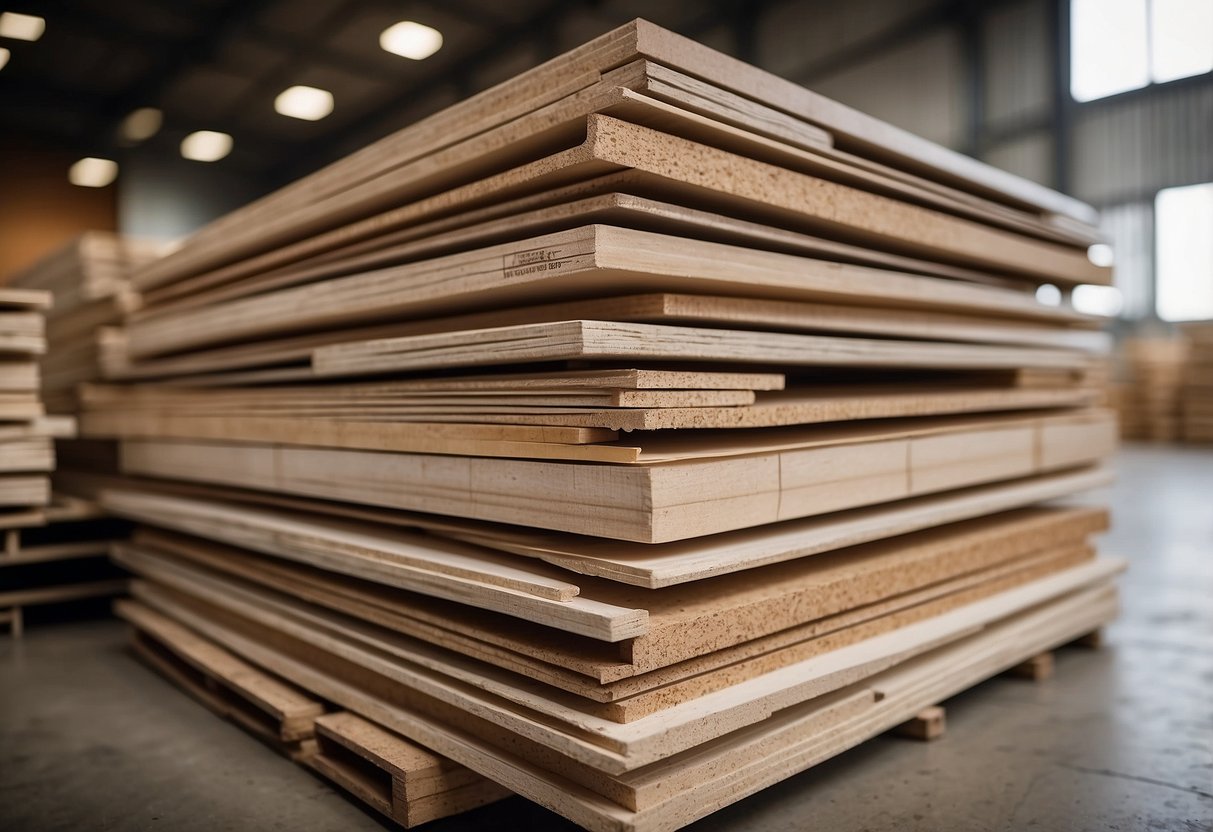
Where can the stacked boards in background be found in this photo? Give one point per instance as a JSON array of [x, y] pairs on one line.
[[1148, 393], [59, 554], [635, 435], [90, 281], [1196, 395], [52, 548], [27, 451]]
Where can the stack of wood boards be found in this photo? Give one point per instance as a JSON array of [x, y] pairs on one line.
[[90, 281], [27, 451], [1196, 394], [636, 434], [54, 548], [1152, 373]]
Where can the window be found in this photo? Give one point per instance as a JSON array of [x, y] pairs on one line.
[[1120, 45], [1183, 272]]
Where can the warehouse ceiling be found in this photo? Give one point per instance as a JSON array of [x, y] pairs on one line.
[[218, 65]]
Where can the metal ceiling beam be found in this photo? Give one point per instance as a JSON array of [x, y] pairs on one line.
[[368, 126], [225, 21]]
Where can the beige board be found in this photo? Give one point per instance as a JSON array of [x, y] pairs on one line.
[[613, 341], [824, 470], [536, 433]]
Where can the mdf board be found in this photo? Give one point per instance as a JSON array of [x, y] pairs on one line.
[[464, 431], [613, 341], [563, 77], [570, 264], [654, 503], [637, 707], [697, 619], [626, 692]]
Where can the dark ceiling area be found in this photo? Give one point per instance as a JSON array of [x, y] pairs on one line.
[[219, 64]]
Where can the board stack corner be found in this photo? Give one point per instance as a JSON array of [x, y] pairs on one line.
[[635, 434]]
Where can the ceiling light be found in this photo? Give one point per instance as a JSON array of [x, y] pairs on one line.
[[307, 103], [21, 26], [141, 124], [411, 40], [4, 56], [206, 146], [91, 172]]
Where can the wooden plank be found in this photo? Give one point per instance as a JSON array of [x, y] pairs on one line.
[[820, 471], [609, 340], [444, 569], [498, 434]]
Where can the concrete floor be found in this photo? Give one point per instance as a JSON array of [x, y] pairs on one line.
[[1119, 739]]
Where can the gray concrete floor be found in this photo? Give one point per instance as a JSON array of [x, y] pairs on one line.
[[1119, 739]]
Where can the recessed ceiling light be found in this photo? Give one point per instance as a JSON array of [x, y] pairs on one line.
[[307, 103], [411, 40], [140, 125], [206, 146], [21, 26], [4, 56], [91, 172]]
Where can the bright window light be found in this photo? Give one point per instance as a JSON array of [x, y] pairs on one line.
[[411, 40], [1048, 294], [91, 172], [1107, 47], [4, 56], [206, 146], [1121, 45], [307, 103], [140, 125], [21, 26], [1181, 38], [1097, 300], [1184, 253]]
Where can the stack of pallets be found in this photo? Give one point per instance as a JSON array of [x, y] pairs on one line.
[[635, 434]]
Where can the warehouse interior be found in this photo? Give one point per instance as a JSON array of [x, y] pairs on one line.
[[152, 120]]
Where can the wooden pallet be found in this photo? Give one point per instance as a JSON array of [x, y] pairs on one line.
[[405, 782], [394, 776]]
